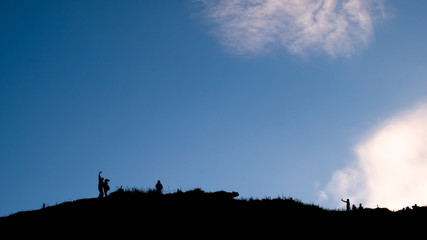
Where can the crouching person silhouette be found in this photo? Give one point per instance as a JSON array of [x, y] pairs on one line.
[[159, 187]]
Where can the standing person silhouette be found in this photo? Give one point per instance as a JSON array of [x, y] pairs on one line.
[[347, 203], [159, 187], [100, 185]]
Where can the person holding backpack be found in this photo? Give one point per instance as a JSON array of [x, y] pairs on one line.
[[106, 187]]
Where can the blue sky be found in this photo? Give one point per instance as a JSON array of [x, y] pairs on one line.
[[181, 91]]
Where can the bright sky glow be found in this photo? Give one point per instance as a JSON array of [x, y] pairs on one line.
[[390, 166]]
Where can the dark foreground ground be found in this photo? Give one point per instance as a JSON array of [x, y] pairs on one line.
[[199, 214]]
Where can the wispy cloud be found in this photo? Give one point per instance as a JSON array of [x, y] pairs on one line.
[[337, 27], [391, 165]]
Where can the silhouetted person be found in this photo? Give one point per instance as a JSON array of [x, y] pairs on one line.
[[100, 185], [360, 206], [353, 208], [159, 187], [106, 187], [347, 203]]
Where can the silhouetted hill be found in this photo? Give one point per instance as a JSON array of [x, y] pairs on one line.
[[195, 211]]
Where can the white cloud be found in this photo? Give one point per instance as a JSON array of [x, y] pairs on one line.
[[391, 167], [337, 27]]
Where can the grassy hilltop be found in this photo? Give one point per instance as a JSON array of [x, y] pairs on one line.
[[202, 211]]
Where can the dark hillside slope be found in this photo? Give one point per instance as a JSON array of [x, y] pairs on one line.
[[196, 210]]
